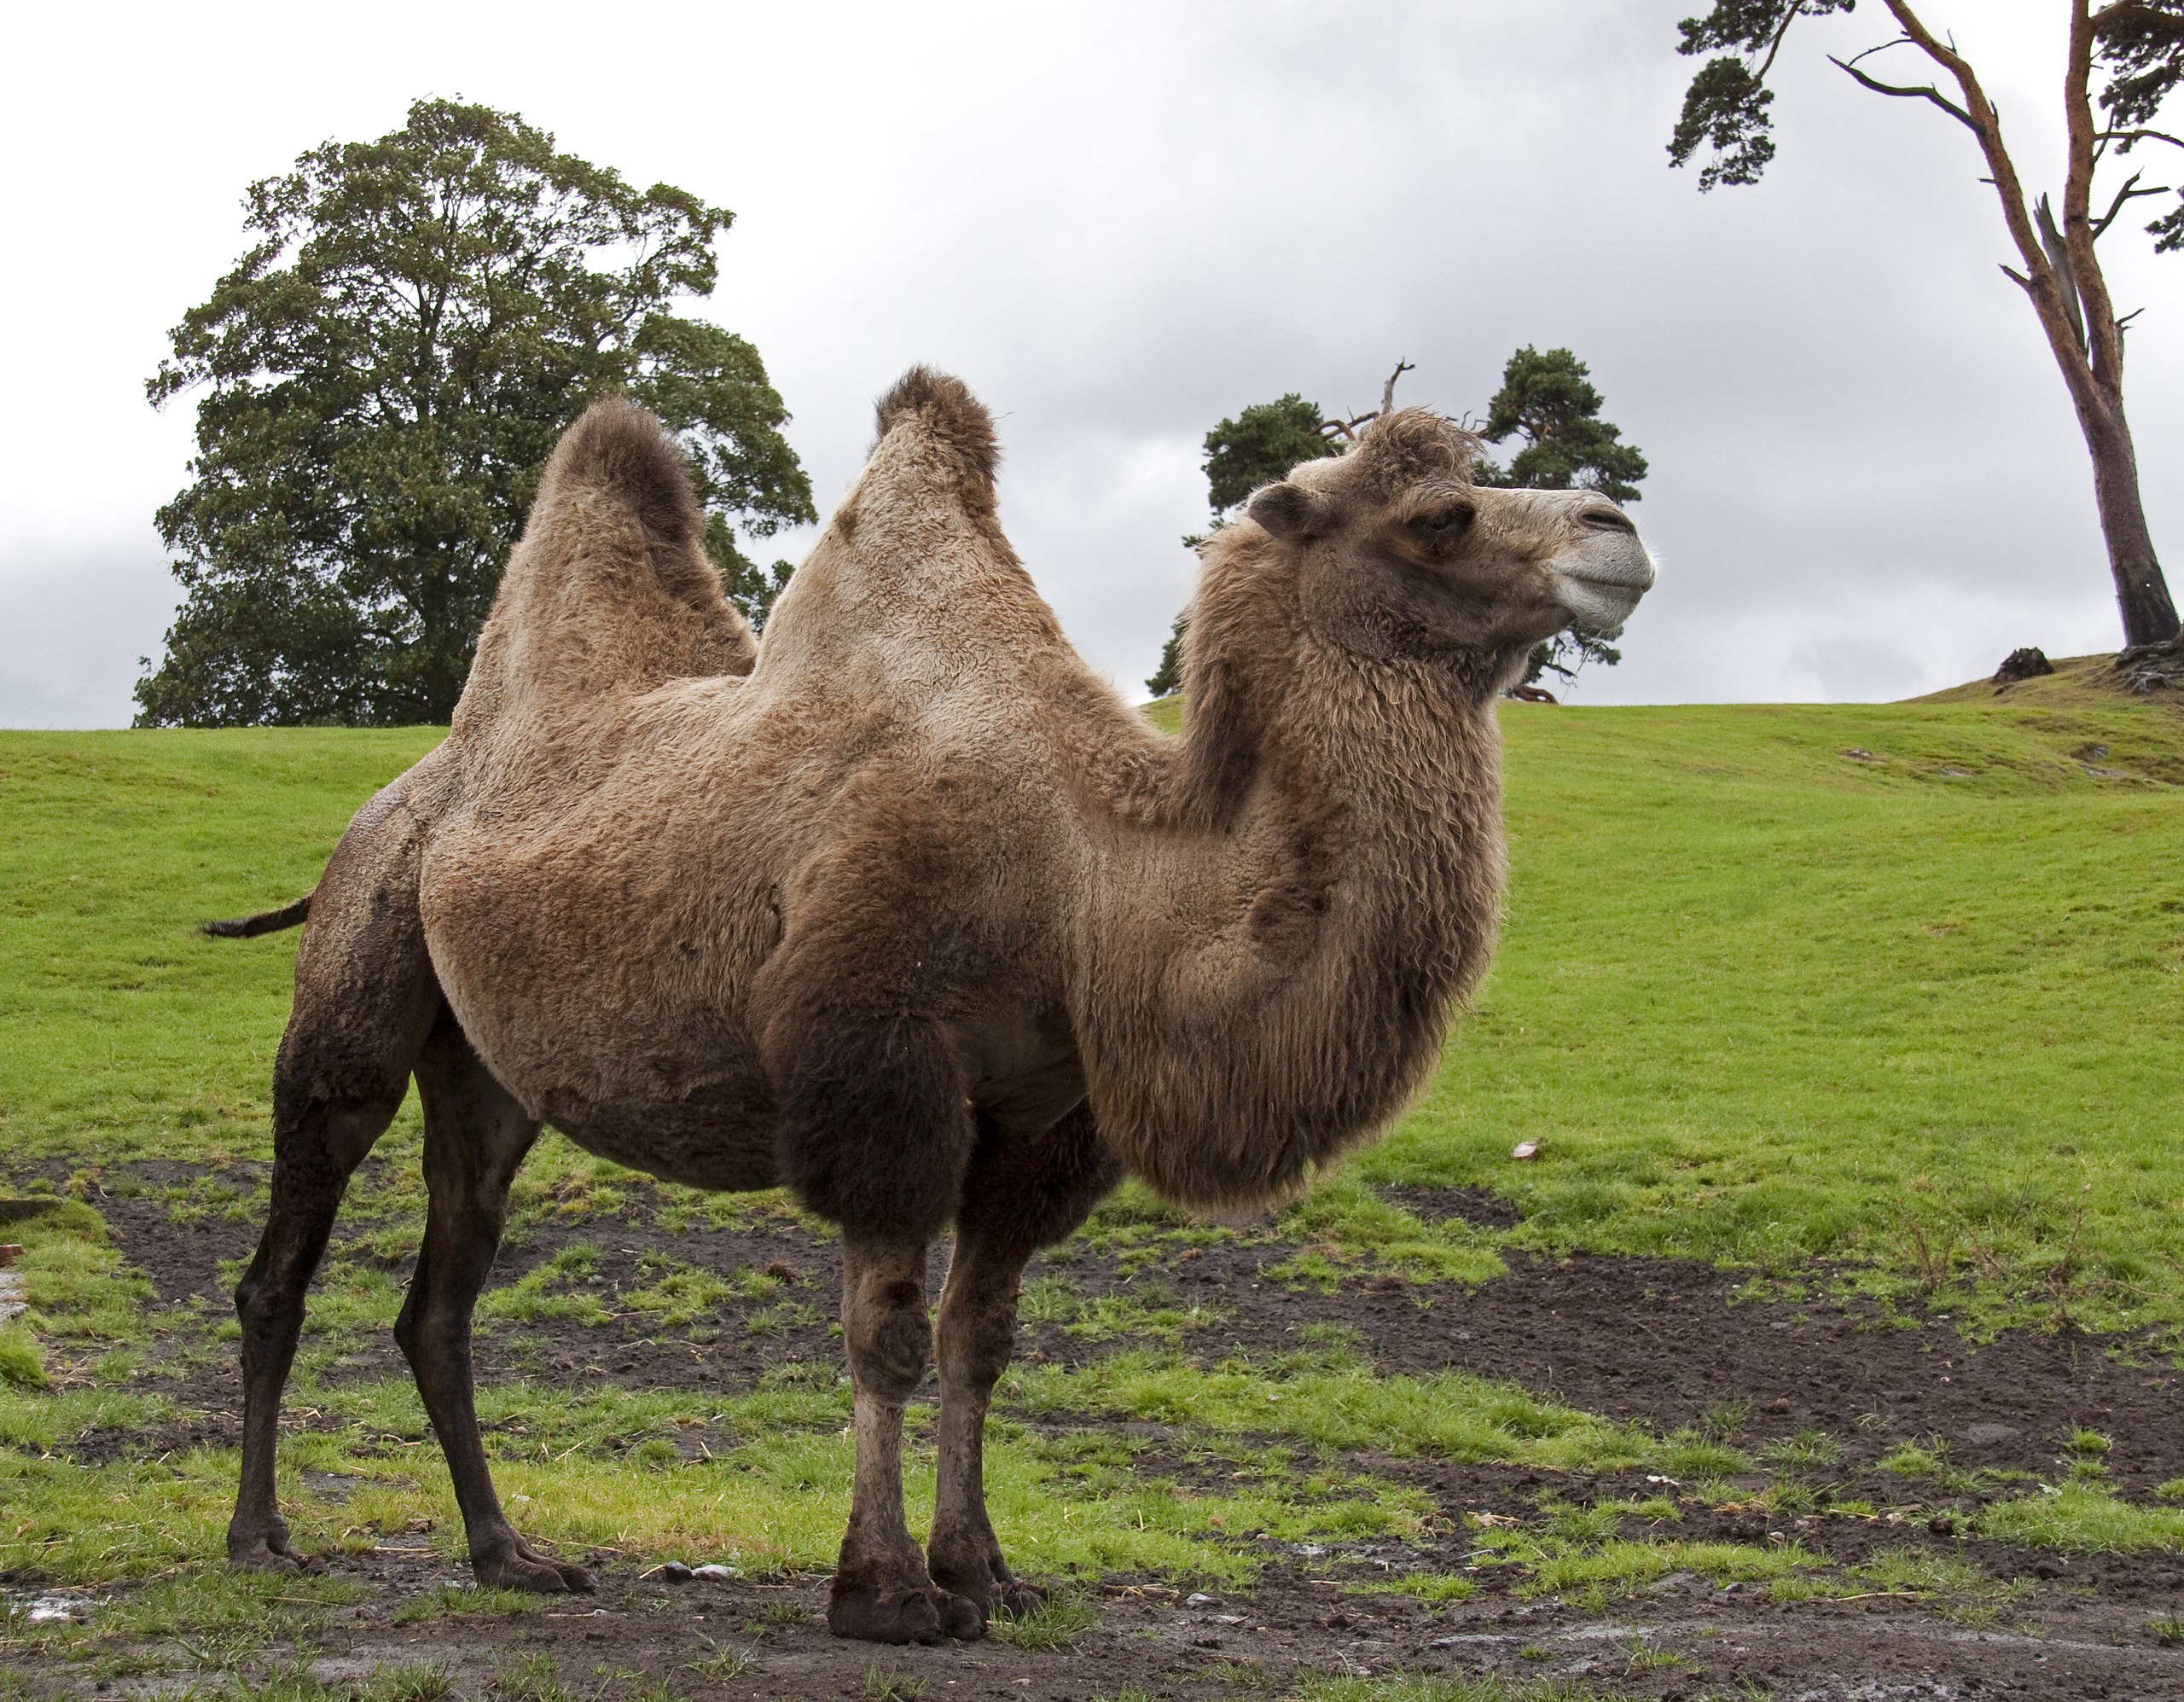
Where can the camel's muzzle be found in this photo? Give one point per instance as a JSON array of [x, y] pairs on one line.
[[1601, 579]]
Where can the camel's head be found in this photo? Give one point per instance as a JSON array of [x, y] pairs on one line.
[[1400, 554]]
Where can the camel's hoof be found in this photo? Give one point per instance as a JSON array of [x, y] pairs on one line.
[[264, 1554], [989, 1582], [904, 1615], [533, 1572], [961, 1617]]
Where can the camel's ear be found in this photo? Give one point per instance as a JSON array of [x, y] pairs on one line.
[[1291, 512]]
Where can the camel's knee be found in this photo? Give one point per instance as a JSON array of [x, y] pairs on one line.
[[872, 1130], [978, 1339], [435, 1317], [259, 1303], [889, 1339], [316, 1147], [431, 1331]]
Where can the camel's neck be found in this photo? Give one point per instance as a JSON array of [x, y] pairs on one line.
[[1271, 970]]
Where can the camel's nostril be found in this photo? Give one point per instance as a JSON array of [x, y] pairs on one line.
[[1607, 520]]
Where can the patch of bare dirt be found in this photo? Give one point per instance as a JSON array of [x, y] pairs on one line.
[[1680, 1640], [1651, 1339]]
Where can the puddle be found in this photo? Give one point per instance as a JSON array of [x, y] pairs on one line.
[[51, 1610]]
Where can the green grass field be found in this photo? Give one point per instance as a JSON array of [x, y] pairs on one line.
[[1877, 999]]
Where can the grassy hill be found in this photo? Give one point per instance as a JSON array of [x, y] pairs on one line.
[[2078, 682], [1884, 998], [1898, 985]]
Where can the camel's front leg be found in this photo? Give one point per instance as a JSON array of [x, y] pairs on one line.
[[883, 1593], [1022, 1191], [978, 1333]]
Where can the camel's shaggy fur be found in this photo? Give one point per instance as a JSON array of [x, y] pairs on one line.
[[906, 908]]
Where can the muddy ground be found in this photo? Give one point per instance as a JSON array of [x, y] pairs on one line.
[[1650, 1340]]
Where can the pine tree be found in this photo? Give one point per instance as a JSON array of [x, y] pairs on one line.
[[1547, 400]]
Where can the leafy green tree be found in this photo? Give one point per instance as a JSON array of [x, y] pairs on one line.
[[1169, 675], [750, 586], [383, 375], [1548, 402], [2136, 48], [1258, 446]]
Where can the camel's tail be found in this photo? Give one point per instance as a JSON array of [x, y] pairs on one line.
[[265, 921]]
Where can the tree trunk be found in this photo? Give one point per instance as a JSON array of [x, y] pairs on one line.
[[2063, 280], [2142, 592]]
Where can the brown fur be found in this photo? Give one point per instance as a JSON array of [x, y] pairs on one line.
[[914, 914]]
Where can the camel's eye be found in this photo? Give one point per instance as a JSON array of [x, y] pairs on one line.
[[1441, 525]]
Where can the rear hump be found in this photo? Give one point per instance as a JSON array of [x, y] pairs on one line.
[[621, 451], [610, 589]]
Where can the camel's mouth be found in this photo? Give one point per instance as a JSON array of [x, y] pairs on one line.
[[1600, 582]]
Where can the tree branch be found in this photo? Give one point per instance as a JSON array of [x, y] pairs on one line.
[[2130, 191], [2135, 12], [2129, 137], [1775, 47], [1388, 390], [2058, 259], [1883, 47], [1347, 430], [2105, 343], [2039, 279], [1928, 93]]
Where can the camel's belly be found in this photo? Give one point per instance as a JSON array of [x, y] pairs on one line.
[[700, 1142], [702, 1116]]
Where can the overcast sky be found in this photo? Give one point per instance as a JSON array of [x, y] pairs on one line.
[[1120, 222]]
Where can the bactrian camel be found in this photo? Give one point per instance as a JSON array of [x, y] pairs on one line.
[[906, 908]]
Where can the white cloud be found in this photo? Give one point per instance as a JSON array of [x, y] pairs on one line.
[[73, 622], [1121, 222]]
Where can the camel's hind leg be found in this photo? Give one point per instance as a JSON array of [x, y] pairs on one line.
[[365, 999], [476, 1136], [343, 1068], [317, 1146], [1022, 1193]]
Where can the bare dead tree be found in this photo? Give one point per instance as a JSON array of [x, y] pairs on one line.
[[1347, 430], [1388, 390], [2059, 270]]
